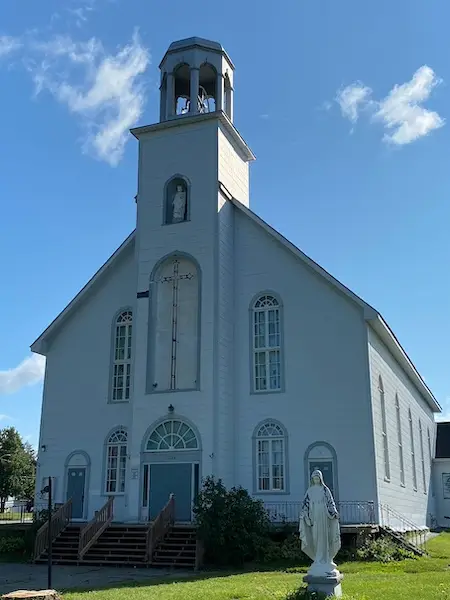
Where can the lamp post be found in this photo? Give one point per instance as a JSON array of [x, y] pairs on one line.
[[48, 490]]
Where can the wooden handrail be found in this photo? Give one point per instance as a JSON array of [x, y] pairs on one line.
[[94, 529], [158, 528], [60, 520]]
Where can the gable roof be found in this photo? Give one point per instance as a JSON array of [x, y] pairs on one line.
[[371, 315], [39, 345]]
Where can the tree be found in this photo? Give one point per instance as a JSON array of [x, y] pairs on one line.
[[17, 467]]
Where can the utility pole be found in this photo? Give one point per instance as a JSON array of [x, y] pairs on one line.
[[48, 490]]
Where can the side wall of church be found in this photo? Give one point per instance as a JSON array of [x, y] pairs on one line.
[[326, 395], [414, 503], [76, 412]]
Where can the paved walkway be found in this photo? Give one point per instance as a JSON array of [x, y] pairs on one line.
[[34, 577]]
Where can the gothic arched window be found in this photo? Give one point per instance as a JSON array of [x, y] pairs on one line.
[[173, 434], [121, 371], [400, 440], [116, 461], [413, 450], [387, 468], [270, 457], [422, 458], [266, 339]]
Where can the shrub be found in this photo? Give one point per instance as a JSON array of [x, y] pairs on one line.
[[12, 545], [232, 525], [382, 549], [287, 552]]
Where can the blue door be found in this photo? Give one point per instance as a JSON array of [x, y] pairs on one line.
[[76, 478], [166, 479], [326, 466]]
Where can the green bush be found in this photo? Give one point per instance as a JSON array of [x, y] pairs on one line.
[[288, 552], [12, 545], [233, 526], [382, 549]]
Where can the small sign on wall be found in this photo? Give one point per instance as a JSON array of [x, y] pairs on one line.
[[134, 473], [446, 485]]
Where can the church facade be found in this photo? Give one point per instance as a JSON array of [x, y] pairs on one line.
[[209, 344]]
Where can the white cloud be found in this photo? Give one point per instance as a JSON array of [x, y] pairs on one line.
[[352, 99], [104, 90], [5, 418], [401, 110], [28, 372], [8, 44]]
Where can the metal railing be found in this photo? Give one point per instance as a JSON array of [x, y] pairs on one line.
[[60, 519], [350, 512], [94, 529], [411, 532], [16, 514], [158, 528]]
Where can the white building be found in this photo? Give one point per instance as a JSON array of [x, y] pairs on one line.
[[210, 344]]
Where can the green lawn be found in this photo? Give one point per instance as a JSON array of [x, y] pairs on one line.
[[422, 579]]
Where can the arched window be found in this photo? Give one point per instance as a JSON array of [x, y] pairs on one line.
[[121, 375], [400, 440], [172, 434], [270, 457], [422, 458], [116, 462], [266, 333], [387, 468], [413, 452]]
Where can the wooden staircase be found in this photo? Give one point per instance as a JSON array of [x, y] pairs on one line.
[[177, 549], [119, 545], [64, 547]]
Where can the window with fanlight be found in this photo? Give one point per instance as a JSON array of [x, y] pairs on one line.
[[266, 340], [270, 457], [121, 368], [116, 461]]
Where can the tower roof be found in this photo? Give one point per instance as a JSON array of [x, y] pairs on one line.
[[196, 42]]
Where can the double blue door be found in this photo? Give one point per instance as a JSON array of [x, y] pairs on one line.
[[166, 479]]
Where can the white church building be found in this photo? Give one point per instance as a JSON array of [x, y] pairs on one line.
[[210, 344]]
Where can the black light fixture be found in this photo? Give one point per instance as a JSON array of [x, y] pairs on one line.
[[43, 447], [170, 408]]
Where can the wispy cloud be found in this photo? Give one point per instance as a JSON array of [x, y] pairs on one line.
[[8, 44], [445, 414], [28, 372], [5, 418], [109, 96], [400, 112], [352, 99]]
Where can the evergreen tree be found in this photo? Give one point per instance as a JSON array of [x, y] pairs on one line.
[[17, 467]]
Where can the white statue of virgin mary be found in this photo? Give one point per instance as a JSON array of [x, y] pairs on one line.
[[319, 527]]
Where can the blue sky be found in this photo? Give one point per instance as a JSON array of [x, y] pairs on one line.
[[344, 104]]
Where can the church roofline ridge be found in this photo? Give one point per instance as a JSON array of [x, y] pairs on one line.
[[371, 315], [39, 345], [196, 42]]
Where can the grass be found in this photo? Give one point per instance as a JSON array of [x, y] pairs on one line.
[[425, 578]]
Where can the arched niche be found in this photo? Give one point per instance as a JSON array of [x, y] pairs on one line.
[[174, 325], [176, 200]]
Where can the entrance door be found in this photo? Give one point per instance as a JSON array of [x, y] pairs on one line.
[[76, 479], [326, 466], [166, 479]]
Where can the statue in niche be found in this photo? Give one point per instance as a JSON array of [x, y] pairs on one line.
[[319, 528], [179, 204]]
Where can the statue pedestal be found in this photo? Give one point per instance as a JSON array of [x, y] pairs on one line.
[[330, 585]]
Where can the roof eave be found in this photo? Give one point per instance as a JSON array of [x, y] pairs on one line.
[[40, 345], [387, 335]]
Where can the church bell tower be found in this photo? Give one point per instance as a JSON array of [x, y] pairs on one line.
[[191, 164]]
